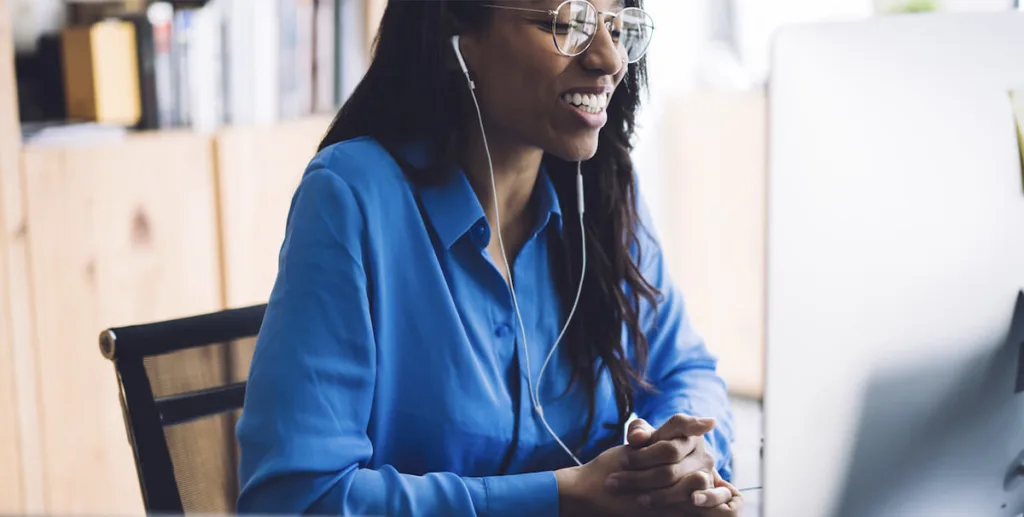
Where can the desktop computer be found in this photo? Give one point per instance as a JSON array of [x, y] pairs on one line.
[[895, 261]]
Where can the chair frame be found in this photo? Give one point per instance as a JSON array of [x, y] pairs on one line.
[[146, 416]]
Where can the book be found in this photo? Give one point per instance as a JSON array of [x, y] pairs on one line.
[[239, 16], [101, 73], [351, 51], [146, 55], [266, 44], [205, 64], [324, 65], [161, 18], [305, 18], [180, 36]]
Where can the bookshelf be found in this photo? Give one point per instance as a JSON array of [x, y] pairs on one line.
[[155, 224], [110, 243]]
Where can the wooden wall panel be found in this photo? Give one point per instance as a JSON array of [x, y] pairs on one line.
[[18, 489], [11, 475], [716, 239], [258, 169], [119, 234]]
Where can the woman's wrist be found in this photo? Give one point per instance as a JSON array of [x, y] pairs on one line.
[[569, 500]]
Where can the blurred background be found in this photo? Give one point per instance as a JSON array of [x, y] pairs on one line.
[[149, 151]]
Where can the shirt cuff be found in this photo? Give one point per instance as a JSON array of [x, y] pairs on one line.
[[534, 494]]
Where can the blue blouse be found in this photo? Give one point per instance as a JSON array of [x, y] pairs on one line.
[[386, 378]]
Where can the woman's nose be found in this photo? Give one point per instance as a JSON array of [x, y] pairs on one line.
[[604, 55]]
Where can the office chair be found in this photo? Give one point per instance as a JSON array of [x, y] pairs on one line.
[[181, 385]]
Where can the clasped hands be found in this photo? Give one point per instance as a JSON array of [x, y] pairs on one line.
[[659, 472]]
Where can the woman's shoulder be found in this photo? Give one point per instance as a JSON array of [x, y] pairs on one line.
[[363, 165]]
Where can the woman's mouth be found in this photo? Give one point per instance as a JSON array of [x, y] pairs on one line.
[[592, 103]]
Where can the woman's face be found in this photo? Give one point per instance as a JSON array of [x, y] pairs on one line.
[[530, 93]]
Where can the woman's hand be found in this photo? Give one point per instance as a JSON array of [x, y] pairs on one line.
[[582, 491], [722, 500], [670, 469]]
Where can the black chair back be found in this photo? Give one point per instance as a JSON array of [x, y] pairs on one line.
[[182, 384]]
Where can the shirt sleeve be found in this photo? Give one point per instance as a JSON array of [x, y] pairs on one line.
[[303, 437], [680, 367]]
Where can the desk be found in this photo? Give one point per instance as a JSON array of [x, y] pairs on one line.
[[752, 504]]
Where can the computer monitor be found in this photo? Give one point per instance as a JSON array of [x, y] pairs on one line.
[[895, 256]]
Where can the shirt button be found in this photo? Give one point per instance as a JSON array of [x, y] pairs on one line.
[[503, 330], [480, 233]]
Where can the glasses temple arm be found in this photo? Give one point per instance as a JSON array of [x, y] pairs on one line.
[[545, 11]]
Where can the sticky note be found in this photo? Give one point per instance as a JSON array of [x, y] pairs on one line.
[[1017, 101]]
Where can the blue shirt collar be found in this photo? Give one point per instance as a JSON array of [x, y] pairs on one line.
[[549, 211], [453, 209]]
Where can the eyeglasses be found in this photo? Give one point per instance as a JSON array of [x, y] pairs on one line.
[[574, 24]]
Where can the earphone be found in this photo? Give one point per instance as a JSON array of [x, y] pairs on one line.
[[534, 397]]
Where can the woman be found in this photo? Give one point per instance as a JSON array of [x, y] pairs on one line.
[[405, 367]]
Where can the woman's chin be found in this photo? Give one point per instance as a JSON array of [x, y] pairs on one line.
[[579, 149]]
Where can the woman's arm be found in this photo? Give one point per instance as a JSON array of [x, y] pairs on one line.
[[680, 367], [303, 431]]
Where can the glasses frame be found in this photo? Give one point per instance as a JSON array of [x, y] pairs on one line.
[[602, 17]]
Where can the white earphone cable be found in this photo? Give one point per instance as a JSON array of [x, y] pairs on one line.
[[534, 399], [583, 271]]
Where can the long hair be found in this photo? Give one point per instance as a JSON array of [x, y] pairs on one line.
[[411, 93]]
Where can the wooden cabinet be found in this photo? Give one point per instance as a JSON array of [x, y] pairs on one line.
[[119, 234], [10, 451], [716, 248], [258, 169], [161, 225], [13, 290]]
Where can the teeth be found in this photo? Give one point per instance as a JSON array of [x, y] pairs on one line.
[[589, 103]]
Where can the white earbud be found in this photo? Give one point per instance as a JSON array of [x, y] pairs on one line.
[[534, 391], [462, 61]]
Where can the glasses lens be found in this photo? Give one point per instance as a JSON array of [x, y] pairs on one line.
[[632, 29], [574, 26]]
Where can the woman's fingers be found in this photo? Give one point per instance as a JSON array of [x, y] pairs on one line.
[[682, 426], [639, 434], [661, 453], [643, 480], [712, 497], [676, 494], [659, 476], [731, 509]]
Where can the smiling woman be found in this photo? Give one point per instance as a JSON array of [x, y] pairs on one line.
[[425, 262]]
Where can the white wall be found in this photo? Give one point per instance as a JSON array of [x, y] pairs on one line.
[[672, 60], [679, 61]]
